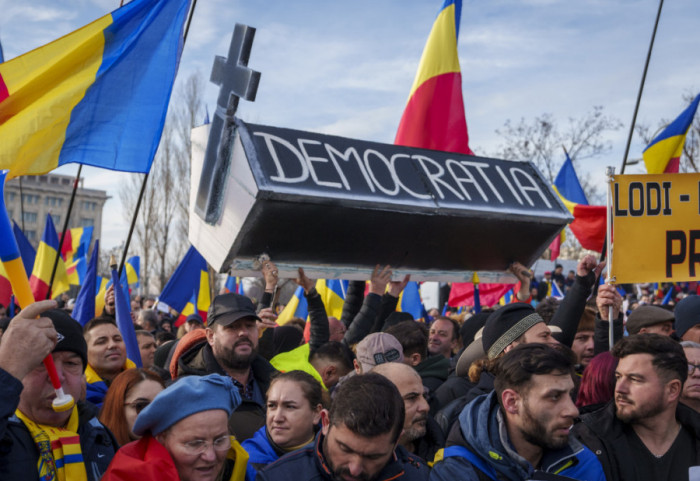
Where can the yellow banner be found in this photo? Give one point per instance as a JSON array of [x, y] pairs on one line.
[[656, 228]]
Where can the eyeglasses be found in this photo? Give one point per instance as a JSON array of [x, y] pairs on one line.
[[692, 368], [138, 405], [199, 446]]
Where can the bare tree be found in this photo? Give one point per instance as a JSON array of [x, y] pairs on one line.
[[540, 141]]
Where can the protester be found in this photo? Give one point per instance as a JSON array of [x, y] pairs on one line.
[[358, 439], [327, 364], [687, 313], [129, 394], [645, 433], [377, 348], [294, 404], [37, 442], [148, 320], [421, 434], [598, 382], [522, 427], [691, 389], [650, 319], [228, 346], [413, 337], [443, 337], [584, 345], [189, 443], [147, 348], [106, 357]]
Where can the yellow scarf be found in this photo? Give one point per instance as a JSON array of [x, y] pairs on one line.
[[60, 457], [92, 377]]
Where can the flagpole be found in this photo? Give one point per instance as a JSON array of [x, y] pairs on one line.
[[65, 228], [145, 178], [639, 96]]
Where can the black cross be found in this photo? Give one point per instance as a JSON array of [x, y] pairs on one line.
[[236, 81]]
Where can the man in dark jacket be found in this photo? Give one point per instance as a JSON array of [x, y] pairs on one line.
[[37, 442], [230, 348], [644, 433], [421, 435], [358, 439], [521, 429]]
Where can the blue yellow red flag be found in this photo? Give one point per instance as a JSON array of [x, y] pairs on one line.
[[297, 307], [84, 308], [97, 96], [663, 154], [434, 114], [43, 265]]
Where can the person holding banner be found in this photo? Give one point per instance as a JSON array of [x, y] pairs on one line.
[[38, 442]]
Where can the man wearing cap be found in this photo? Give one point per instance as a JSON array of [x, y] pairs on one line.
[[650, 319], [687, 314], [377, 348], [228, 346], [37, 442], [520, 430], [421, 435]]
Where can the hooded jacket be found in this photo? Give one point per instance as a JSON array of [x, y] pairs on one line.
[[482, 431], [262, 451], [309, 464], [608, 437]]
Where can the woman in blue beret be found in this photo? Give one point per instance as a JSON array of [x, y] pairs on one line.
[[294, 403], [184, 435]]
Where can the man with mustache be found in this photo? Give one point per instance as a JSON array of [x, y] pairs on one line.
[[421, 434], [521, 429], [645, 433], [229, 346], [358, 441]]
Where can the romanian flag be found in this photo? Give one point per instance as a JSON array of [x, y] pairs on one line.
[[122, 312], [26, 249], [410, 301], [76, 271], [131, 272], [663, 154], [5, 287], [76, 243], [101, 284], [84, 308], [43, 265], [434, 114], [97, 96], [296, 307], [462, 294], [589, 220], [234, 284], [190, 276], [197, 302], [332, 293]]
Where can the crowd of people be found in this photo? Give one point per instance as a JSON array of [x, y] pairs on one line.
[[529, 390]]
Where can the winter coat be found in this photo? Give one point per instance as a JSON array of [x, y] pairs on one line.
[[19, 454], [310, 464], [482, 432], [609, 438], [262, 451]]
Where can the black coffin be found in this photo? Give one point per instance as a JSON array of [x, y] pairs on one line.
[[338, 206]]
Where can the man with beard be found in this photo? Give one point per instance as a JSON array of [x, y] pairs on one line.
[[421, 434], [228, 346], [645, 433], [521, 429], [358, 440]]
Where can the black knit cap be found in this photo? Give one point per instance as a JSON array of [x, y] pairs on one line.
[[70, 333], [506, 325]]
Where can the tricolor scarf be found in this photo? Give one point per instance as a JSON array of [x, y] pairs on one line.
[[96, 386], [60, 457]]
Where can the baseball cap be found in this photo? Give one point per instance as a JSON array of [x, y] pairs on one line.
[[226, 309], [378, 348]]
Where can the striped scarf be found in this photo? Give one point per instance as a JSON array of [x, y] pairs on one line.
[[60, 457]]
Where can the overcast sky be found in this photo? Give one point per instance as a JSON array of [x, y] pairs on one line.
[[346, 68]]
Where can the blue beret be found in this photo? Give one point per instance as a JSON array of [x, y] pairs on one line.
[[190, 395]]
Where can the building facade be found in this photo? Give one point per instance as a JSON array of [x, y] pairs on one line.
[[50, 194]]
